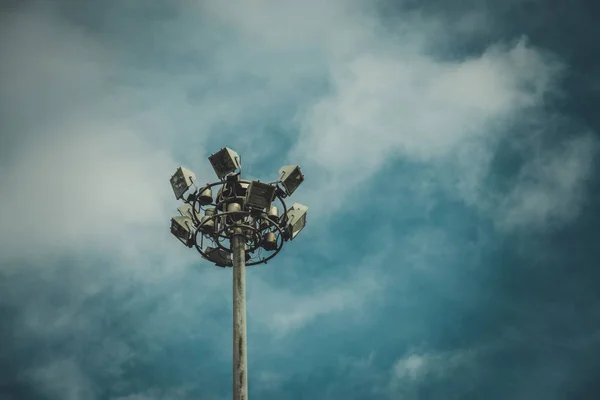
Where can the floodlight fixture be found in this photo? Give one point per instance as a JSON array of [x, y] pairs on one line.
[[181, 181], [290, 177], [260, 195], [225, 162], [220, 257], [181, 228], [296, 220]]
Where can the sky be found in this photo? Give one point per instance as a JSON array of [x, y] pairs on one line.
[[450, 150]]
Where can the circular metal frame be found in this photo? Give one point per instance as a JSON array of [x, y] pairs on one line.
[[225, 224]]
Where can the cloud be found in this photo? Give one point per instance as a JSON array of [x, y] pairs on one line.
[[404, 101], [283, 311], [62, 379], [418, 366], [85, 156], [401, 103], [551, 186], [419, 371], [411, 367], [86, 182]]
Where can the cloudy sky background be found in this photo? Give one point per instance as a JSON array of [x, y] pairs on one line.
[[450, 150]]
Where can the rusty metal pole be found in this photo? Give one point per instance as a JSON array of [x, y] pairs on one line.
[[240, 360]]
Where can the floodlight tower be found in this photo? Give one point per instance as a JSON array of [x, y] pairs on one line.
[[238, 227]]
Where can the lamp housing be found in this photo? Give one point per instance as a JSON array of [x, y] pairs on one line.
[[220, 257], [296, 220], [181, 181], [290, 176], [181, 228], [259, 195], [225, 162]]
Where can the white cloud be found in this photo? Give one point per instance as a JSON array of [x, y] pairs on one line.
[[402, 102], [411, 367], [283, 311], [407, 102], [85, 165], [419, 369], [92, 189], [551, 187], [415, 368]]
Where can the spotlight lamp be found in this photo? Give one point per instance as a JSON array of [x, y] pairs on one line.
[[290, 177], [225, 162], [182, 228], [244, 223], [181, 181], [220, 257], [296, 220], [260, 195]]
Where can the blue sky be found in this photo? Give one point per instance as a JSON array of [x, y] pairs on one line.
[[450, 151]]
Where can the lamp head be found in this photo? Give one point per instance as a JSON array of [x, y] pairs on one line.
[[225, 162], [218, 256], [259, 195], [181, 228], [296, 220], [290, 177], [181, 181]]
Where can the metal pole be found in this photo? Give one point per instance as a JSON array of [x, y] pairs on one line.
[[240, 361]]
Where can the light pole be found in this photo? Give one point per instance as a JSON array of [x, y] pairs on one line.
[[238, 227]]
